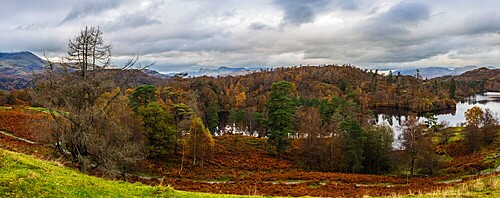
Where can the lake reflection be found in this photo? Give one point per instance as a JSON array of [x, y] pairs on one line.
[[395, 117]]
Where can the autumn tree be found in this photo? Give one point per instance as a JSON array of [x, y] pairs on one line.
[[200, 143], [412, 140], [446, 134], [481, 128], [3, 97], [281, 109], [81, 94], [122, 144], [182, 114], [490, 126], [241, 99], [473, 135], [159, 129], [312, 137]]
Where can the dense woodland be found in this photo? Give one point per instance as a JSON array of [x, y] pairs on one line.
[[319, 117]]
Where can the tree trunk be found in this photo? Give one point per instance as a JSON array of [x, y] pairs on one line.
[[412, 166]]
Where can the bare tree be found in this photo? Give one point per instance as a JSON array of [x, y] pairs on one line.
[[490, 126], [88, 51], [314, 141], [412, 139], [83, 96]]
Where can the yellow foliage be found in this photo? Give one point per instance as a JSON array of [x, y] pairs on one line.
[[241, 99]]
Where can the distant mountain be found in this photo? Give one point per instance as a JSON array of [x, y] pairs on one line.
[[221, 71], [155, 73], [433, 72], [20, 63], [16, 69]]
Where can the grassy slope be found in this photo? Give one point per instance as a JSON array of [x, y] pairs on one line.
[[484, 187], [25, 176]]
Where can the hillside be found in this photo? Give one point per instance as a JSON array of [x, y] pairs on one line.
[[475, 81], [239, 165], [434, 72], [25, 176], [16, 69], [221, 71]]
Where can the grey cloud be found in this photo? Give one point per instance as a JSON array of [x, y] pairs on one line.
[[185, 35], [195, 40], [406, 12], [173, 67], [347, 4], [318, 53], [298, 12], [166, 36], [481, 23], [410, 52], [89, 8], [259, 26], [214, 44], [132, 21], [30, 27], [396, 21]]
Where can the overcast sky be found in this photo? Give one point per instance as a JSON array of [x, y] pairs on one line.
[[189, 34]]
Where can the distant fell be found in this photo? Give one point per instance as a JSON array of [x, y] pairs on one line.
[[219, 72], [16, 69], [475, 81], [20, 63], [433, 72]]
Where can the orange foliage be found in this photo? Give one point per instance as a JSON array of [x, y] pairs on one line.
[[242, 165], [23, 123]]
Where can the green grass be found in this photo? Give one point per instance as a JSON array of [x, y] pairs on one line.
[[44, 110], [5, 108], [484, 187], [25, 176], [456, 133], [40, 109]]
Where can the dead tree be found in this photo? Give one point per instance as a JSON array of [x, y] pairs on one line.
[[83, 93]]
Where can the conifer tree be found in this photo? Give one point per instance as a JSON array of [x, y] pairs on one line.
[[281, 111], [159, 129]]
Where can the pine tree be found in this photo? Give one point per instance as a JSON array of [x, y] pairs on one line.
[[281, 111], [212, 116], [354, 139], [452, 87], [142, 95], [159, 129]]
